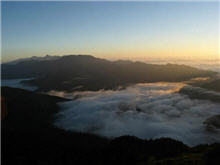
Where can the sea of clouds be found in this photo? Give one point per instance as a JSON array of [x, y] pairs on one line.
[[150, 110]]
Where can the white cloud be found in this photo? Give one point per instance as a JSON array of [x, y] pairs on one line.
[[144, 110]]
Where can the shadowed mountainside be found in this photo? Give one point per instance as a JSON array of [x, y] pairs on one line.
[[29, 138], [28, 110], [83, 72]]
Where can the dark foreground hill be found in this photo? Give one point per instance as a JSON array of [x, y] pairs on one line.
[[27, 110], [82, 72], [28, 137]]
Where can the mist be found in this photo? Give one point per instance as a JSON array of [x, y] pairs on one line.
[[17, 83], [150, 110]]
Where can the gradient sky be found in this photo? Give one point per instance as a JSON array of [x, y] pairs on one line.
[[112, 30]]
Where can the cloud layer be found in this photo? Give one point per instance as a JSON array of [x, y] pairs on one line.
[[149, 110]]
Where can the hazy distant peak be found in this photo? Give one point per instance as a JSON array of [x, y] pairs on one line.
[[35, 58], [50, 58], [123, 62], [78, 56]]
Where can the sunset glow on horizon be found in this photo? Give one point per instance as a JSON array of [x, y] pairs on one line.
[[111, 30]]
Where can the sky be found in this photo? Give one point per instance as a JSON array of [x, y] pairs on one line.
[[112, 30]]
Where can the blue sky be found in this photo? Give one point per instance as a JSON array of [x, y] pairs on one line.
[[110, 29]]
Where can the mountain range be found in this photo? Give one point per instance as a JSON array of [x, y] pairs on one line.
[[85, 72]]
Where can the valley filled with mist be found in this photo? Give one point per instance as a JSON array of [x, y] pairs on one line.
[[119, 98], [110, 83], [110, 100]]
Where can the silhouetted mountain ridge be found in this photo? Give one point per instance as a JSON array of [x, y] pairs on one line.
[[91, 73], [33, 58]]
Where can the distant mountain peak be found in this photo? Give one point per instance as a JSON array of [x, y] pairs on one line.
[[35, 58], [123, 62]]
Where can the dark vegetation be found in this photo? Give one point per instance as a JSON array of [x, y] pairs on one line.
[[28, 138], [84, 72]]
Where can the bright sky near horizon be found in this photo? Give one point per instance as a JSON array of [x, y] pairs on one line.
[[112, 30]]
